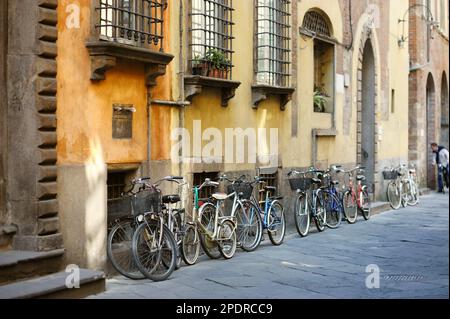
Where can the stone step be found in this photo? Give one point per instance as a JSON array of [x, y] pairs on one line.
[[54, 286], [18, 264]]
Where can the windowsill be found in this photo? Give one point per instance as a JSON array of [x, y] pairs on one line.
[[104, 55], [194, 85], [260, 92]]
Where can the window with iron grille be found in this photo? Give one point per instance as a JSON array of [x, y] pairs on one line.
[[211, 38], [199, 179], [270, 180], [133, 22], [314, 22], [273, 42]]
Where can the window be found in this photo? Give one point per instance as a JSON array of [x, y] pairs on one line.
[[206, 192], [273, 42], [443, 18], [270, 176], [133, 22], [316, 25], [211, 38]]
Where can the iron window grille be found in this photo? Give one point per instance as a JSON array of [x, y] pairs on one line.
[[316, 23], [273, 60], [270, 180], [211, 46], [133, 22]]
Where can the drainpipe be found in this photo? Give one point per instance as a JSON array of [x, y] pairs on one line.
[[181, 72]]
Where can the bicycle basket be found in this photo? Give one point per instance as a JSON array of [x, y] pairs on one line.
[[300, 183], [146, 201], [245, 188], [390, 175]]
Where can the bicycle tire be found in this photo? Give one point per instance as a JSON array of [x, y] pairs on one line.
[[334, 214], [276, 212], [190, 246], [320, 215], [164, 265], [413, 194], [350, 205], [121, 237], [248, 212], [209, 246], [228, 247], [394, 196], [302, 216], [176, 233], [365, 205]]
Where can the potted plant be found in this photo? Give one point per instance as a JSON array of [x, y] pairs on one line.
[[199, 67], [216, 60], [320, 99]]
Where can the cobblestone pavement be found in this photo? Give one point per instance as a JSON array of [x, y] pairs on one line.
[[410, 247]]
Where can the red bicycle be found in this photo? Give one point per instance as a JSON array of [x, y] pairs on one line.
[[356, 198]]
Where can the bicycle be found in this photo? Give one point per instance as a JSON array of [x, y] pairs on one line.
[[309, 202], [358, 199], [216, 231], [442, 171], [332, 198], [119, 248], [399, 186], [191, 241], [153, 245], [272, 218], [411, 188]]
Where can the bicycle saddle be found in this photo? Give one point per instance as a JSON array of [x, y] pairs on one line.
[[220, 196], [171, 199], [316, 181], [270, 188], [360, 178], [277, 197], [335, 183]]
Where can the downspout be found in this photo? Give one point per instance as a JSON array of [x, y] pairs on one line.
[[181, 72]]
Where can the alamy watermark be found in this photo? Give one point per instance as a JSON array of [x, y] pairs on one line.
[[226, 146], [73, 277]]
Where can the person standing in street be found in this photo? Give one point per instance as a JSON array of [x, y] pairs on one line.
[[442, 161]]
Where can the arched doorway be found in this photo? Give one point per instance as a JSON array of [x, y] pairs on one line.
[[368, 87], [431, 131], [444, 112]]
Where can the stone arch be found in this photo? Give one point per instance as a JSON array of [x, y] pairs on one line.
[[430, 128], [367, 49], [444, 111]]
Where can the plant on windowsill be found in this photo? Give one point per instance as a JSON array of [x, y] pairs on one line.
[[320, 99], [218, 64], [199, 66]]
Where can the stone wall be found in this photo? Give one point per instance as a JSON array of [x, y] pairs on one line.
[[31, 80]]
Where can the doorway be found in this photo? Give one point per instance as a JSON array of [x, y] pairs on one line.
[[431, 136], [368, 87]]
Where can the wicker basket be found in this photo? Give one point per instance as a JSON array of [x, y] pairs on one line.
[[390, 175], [300, 183], [245, 188]]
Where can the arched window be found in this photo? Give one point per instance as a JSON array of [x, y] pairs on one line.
[[316, 25]]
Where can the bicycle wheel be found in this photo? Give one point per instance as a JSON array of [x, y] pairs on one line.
[[227, 239], [320, 216], [156, 261], [334, 213], [190, 246], [365, 204], [177, 231], [413, 194], [207, 219], [302, 216], [249, 226], [394, 196], [276, 223], [350, 207], [119, 249]]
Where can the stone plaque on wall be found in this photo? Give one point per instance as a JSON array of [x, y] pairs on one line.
[[122, 122]]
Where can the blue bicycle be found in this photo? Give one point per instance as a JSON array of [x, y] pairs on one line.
[[273, 218], [332, 199]]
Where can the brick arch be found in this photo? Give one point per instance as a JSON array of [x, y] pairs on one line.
[[367, 37], [430, 128]]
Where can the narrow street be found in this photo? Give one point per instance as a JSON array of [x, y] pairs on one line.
[[410, 248]]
